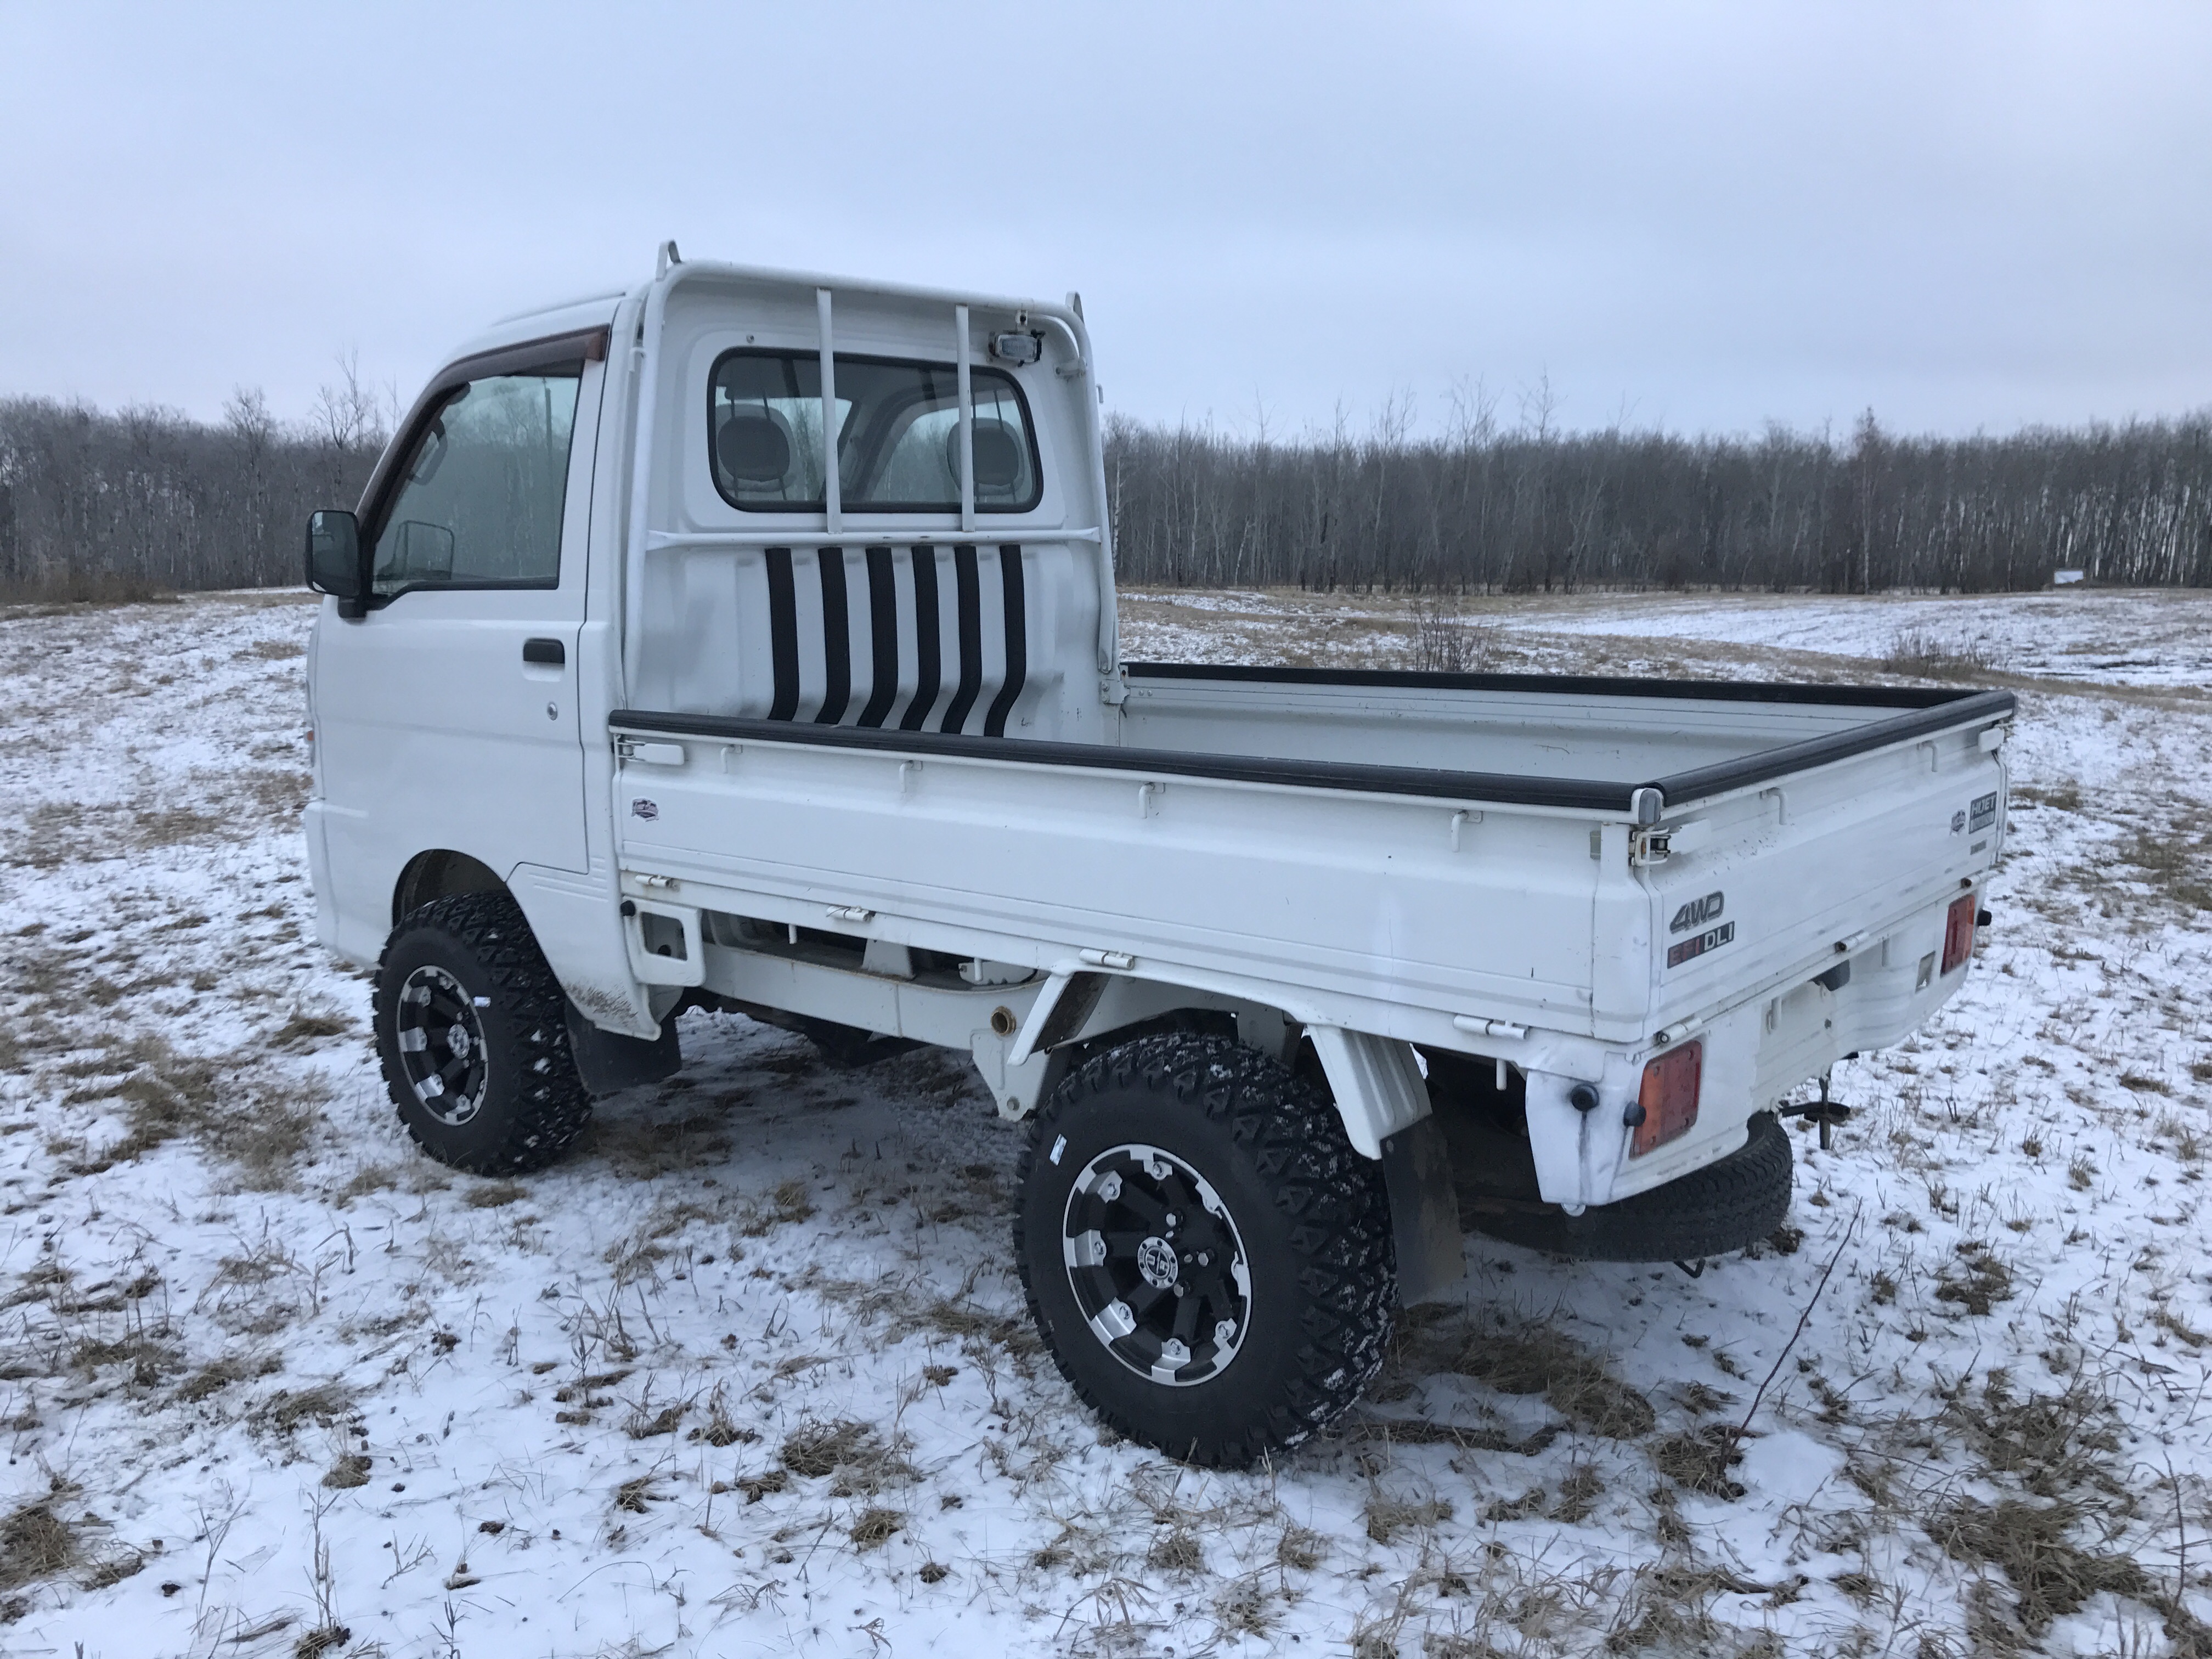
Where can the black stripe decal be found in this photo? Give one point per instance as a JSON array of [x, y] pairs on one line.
[[1010, 576], [883, 636], [971, 638], [836, 637], [782, 634], [927, 658]]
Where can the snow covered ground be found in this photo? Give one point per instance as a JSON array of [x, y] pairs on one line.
[[748, 1374]]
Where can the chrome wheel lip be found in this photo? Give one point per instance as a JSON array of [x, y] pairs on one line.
[[1147, 1186], [438, 1034]]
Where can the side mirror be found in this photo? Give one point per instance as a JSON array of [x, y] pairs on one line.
[[334, 555]]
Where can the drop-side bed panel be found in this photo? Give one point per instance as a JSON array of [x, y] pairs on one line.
[[1408, 900]]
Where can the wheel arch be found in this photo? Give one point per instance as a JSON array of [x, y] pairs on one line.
[[439, 872], [1085, 1011]]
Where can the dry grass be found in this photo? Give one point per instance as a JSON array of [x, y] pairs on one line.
[[790, 1203], [174, 826], [1919, 652], [1300, 1549], [875, 1527], [305, 1027], [36, 1542], [350, 1470], [213, 1377], [325, 1403], [1977, 1281], [1537, 1360], [757, 1486], [721, 1430], [857, 1460], [2052, 1443], [1178, 1553], [647, 1149], [260, 1126], [1698, 1460], [2033, 1545], [1388, 1516], [2173, 863]]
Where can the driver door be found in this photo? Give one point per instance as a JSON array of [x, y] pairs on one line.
[[446, 716]]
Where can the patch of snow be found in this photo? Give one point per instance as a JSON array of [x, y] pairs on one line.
[[262, 1388]]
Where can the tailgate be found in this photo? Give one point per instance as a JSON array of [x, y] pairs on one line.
[[1769, 881]]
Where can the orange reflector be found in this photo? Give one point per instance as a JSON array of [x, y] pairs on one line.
[[1669, 1098], [1958, 933]]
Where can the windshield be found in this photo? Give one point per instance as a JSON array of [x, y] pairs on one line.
[[898, 434]]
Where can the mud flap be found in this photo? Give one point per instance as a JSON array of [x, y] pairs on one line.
[[610, 1062], [1423, 1213]]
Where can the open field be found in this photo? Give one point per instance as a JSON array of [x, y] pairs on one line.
[[751, 1374]]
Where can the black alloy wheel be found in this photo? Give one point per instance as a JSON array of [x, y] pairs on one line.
[[1156, 1265], [440, 1042]]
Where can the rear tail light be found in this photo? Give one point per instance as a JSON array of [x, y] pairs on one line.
[[1958, 933], [1667, 1105]]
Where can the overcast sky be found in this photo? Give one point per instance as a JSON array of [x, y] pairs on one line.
[[1701, 216]]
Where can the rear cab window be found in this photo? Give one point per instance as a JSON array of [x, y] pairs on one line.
[[898, 435]]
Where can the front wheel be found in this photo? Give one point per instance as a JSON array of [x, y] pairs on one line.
[[471, 1029], [1205, 1256]]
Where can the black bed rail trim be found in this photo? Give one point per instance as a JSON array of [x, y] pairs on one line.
[[1850, 697], [1504, 788], [1959, 708]]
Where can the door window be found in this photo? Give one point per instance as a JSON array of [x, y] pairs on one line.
[[481, 502]]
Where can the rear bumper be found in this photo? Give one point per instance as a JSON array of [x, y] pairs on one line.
[[1754, 1054]]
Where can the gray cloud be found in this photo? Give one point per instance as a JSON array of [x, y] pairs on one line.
[[1706, 216]]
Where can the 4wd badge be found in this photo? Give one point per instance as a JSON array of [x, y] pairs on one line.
[[645, 808], [1696, 914]]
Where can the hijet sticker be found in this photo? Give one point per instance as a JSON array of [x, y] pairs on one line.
[[1982, 811], [1690, 949]]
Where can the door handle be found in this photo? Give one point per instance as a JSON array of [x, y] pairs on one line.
[[551, 653]]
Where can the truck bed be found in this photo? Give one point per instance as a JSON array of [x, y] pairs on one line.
[[1235, 835]]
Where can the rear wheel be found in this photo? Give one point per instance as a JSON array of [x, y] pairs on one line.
[[472, 1033], [1205, 1254]]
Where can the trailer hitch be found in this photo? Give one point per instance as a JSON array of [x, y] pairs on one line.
[[1823, 1111]]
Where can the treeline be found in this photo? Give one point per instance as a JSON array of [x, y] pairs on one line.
[[1483, 509], [95, 504], [100, 505]]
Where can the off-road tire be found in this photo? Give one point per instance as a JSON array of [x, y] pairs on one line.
[[1310, 1214], [1727, 1206], [534, 1104]]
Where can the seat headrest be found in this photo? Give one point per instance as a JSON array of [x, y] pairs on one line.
[[753, 449], [999, 455]]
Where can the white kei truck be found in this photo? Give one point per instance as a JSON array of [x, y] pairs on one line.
[[746, 641]]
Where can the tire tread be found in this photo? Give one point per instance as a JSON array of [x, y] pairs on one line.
[[553, 1108], [1298, 1149]]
